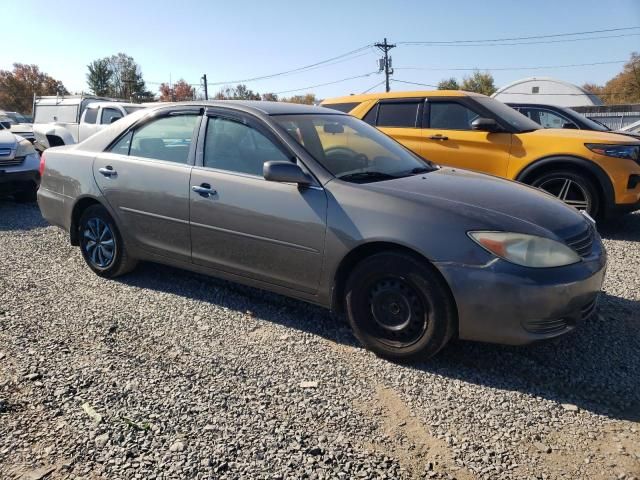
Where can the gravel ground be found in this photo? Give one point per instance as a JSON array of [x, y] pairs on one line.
[[168, 374]]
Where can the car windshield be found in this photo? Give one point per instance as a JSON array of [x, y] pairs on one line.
[[16, 117], [591, 124], [520, 122], [351, 149]]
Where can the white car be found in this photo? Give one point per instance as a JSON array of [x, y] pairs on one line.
[[19, 166], [67, 120], [633, 129], [19, 124]]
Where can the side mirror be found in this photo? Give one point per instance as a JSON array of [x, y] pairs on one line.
[[486, 125], [285, 172]]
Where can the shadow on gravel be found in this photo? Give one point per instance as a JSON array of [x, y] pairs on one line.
[[595, 367], [19, 216], [625, 228]]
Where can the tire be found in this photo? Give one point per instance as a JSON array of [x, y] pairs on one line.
[[109, 258], [579, 185], [399, 307], [26, 196]]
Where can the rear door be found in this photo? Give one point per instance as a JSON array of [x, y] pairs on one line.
[[448, 138], [145, 179], [248, 226], [401, 119]]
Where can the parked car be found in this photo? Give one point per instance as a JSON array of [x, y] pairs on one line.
[[19, 124], [553, 116], [71, 119], [633, 129], [594, 171], [317, 205], [19, 166]]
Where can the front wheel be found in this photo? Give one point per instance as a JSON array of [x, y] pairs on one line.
[[101, 243], [573, 188], [399, 307]]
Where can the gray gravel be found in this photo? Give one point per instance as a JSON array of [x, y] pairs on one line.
[[168, 374]]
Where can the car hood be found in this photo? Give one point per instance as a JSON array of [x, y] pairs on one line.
[[7, 139], [585, 136], [22, 128], [489, 202]]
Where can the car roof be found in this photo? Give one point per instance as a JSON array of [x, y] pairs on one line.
[[407, 94], [263, 107]]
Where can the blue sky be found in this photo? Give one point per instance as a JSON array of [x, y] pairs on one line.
[[243, 39]]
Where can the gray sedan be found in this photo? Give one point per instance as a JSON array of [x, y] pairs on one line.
[[317, 205]]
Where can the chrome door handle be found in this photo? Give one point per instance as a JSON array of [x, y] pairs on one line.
[[204, 190], [439, 137], [108, 171]]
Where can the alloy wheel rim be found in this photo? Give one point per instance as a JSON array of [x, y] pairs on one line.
[[569, 191], [397, 311], [99, 243]]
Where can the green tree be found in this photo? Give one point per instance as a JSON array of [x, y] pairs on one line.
[[124, 77], [18, 86], [99, 77], [448, 84], [479, 82], [239, 92]]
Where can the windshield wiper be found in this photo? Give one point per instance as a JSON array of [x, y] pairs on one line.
[[369, 176], [422, 170]]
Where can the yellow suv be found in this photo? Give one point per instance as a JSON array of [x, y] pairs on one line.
[[594, 171]]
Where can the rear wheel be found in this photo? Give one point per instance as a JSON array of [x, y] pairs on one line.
[[101, 243], [572, 187], [399, 307]]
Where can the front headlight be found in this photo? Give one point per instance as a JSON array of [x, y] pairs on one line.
[[630, 152], [526, 250], [24, 148]]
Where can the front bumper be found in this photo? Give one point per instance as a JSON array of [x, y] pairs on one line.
[[504, 303], [13, 182]]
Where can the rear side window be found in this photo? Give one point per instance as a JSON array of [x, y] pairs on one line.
[[403, 114], [342, 107], [91, 115], [167, 138], [110, 115], [451, 116]]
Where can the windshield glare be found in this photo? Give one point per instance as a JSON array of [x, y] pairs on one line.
[[351, 149], [520, 122]]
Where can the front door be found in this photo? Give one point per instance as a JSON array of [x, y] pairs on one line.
[[450, 140], [145, 179], [400, 119], [248, 226]]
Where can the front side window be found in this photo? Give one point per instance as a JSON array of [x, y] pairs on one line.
[[110, 115], [350, 149], [550, 119], [451, 116], [167, 138], [236, 147], [91, 115], [401, 114]]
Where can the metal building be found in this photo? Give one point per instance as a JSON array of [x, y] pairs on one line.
[[546, 90]]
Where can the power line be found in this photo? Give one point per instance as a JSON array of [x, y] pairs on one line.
[[328, 83], [376, 85], [457, 44], [531, 37], [414, 83], [294, 70], [541, 67]]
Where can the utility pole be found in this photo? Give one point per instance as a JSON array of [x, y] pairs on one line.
[[385, 62], [206, 90]]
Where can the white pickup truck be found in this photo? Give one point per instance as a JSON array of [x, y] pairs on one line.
[[70, 119]]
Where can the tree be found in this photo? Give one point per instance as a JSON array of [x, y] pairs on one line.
[[269, 97], [124, 77], [624, 87], [239, 92], [479, 82], [18, 86], [99, 77], [448, 84], [180, 92], [306, 99]]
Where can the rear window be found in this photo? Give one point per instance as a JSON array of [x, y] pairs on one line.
[[342, 107], [404, 114]]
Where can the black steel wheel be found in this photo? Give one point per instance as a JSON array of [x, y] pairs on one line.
[[399, 306]]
